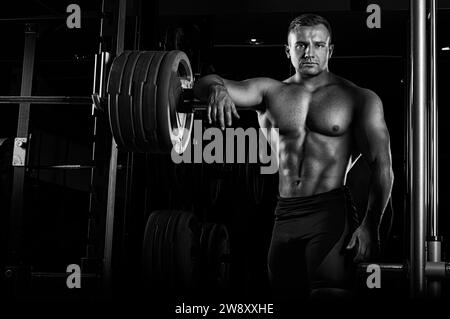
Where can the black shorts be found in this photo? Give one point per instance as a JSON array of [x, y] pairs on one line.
[[308, 247]]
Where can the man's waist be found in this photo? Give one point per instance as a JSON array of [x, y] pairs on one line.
[[305, 187], [303, 205]]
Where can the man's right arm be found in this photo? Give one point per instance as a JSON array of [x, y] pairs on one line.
[[223, 95]]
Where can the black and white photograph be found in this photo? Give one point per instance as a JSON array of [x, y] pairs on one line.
[[225, 159]]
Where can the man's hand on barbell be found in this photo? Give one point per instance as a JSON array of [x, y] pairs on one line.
[[221, 107]]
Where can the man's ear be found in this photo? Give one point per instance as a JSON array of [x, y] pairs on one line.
[[286, 49], [331, 50]]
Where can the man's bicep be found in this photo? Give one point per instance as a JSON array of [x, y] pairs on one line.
[[247, 93], [372, 135]]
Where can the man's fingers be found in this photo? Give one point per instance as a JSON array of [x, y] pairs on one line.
[[228, 116], [362, 253], [359, 256], [208, 112], [221, 110], [214, 114], [211, 108], [221, 117], [352, 242], [235, 113]]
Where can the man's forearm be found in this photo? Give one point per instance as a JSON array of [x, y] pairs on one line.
[[380, 188], [201, 88]]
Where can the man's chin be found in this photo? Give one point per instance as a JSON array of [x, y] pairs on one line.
[[309, 73]]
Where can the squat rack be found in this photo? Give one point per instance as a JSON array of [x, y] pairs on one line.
[[15, 271], [424, 265]]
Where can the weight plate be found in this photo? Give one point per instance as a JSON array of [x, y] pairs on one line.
[[171, 241], [125, 105], [139, 78], [215, 246], [187, 246], [149, 104], [149, 256], [174, 128], [114, 86]]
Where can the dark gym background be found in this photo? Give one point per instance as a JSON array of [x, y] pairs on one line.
[[216, 37]]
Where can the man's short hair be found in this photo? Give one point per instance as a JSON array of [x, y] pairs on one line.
[[309, 20]]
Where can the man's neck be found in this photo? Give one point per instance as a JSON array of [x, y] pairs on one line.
[[313, 82]]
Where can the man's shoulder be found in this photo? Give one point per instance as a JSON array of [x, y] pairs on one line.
[[266, 80], [265, 83], [361, 94]]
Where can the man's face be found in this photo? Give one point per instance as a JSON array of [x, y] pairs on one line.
[[309, 49]]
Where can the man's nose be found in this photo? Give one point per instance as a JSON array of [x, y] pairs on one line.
[[309, 51]]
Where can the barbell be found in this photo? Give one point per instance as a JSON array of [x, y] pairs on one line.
[[150, 101]]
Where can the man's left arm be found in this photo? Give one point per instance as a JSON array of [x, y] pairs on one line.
[[372, 140]]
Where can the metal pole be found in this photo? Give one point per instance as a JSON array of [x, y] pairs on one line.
[[434, 222], [99, 149], [418, 147], [15, 239], [109, 227], [385, 267], [434, 243], [63, 100]]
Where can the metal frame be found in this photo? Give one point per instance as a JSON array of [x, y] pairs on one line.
[[15, 243], [434, 241], [15, 270], [418, 135], [433, 116], [424, 266], [112, 181], [49, 18]]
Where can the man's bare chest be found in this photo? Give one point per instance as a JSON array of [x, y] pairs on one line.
[[328, 112]]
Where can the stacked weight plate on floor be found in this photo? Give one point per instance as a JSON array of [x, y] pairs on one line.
[[144, 91], [215, 247], [179, 256], [171, 252]]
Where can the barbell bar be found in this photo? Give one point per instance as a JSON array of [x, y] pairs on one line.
[[14, 99], [188, 105]]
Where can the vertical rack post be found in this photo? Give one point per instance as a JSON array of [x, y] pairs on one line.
[[15, 242], [109, 227], [418, 136]]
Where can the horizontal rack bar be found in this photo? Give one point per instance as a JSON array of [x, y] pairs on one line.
[[11, 99]]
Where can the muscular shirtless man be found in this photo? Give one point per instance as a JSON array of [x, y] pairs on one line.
[[323, 120]]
